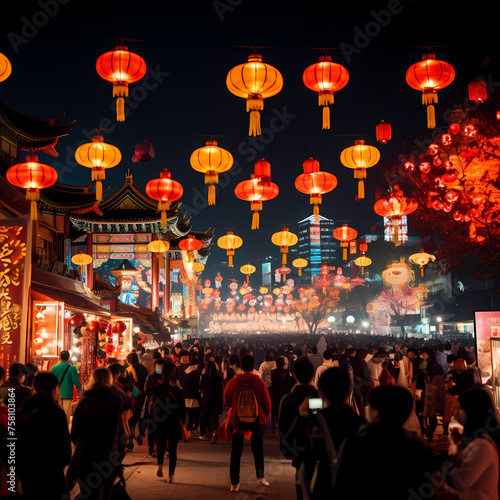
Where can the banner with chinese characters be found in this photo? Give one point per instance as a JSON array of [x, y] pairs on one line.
[[15, 278]]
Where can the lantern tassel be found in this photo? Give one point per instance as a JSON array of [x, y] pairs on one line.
[[255, 220], [431, 117], [326, 118], [163, 219], [283, 259], [316, 210], [254, 128], [230, 261], [422, 271], [300, 271], [98, 190], [362, 271], [33, 210], [395, 236], [344, 253], [211, 194], [361, 190], [120, 109]]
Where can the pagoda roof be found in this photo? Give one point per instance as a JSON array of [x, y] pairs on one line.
[[31, 132], [103, 288], [127, 265]]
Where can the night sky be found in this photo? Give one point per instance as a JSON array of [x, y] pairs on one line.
[[190, 46]]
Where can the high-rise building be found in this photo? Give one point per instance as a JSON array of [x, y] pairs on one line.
[[316, 242]]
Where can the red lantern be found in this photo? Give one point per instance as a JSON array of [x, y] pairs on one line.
[[477, 91], [76, 319], [363, 247], [93, 326], [32, 176], [345, 234], [325, 77], [315, 183], [120, 67], [283, 270], [190, 245], [430, 75], [257, 189], [165, 190], [143, 339], [324, 269], [118, 327], [384, 132]]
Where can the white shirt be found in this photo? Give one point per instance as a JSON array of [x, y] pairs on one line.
[[374, 369], [321, 369]]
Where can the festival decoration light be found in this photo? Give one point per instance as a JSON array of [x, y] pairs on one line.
[[190, 245], [477, 91], [5, 67], [300, 264], [345, 234], [158, 246], [165, 190], [230, 242], [211, 160], [32, 176], [254, 81], [121, 68], [284, 239], [82, 259], [421, 259], [430, 75], [383, 132], [248, 269], [99, 156], [325, 77]]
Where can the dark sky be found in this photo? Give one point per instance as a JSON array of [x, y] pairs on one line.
[[190, 47]]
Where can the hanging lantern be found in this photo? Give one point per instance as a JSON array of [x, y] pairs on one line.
[[325, 77], [345, 234], [394, 206], [257, 189], [315, 183], [81, 259], [5, 67], [158, 246], [190, 245], [300, 264], [218, 280], [230, 242], [363, 247], [477, 91], [363, 262], [283, 270], [211, 160], [121, 68], [165, 190], [32, 176], [384, 132], [143, 152], [284, 239], [98, 156], [248, 269], [198, 267], [422, 259], [254, 81], [360, 157], [263, 290], [430, 75]]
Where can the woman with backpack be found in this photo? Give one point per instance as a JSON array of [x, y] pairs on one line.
[[169, 411]]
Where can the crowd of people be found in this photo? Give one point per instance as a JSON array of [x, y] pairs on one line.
[[339, 406]]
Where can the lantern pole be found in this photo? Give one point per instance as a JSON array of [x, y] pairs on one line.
[[155, 281], [166, 289]]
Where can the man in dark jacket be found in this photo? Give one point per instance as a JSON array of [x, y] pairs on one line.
[[41, 426], [13, 386]]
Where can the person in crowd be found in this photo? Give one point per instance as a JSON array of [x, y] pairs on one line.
[[315, 358], [182, 365], [434, 391], [31, 374], [418, 387], [191, 393], [473, 368], [42, 425], [441, 355], [245, 417], [458, 380], [169, 414], [374, 366], [450, 359], [473, 471], [96, 459], [67, 374], [380, 446], [176, 354], [266, 366], [138, 373], [327, 363], [233, 368], [212, 388], [147, 360], [278, 389], [151, 380], [17, 374]]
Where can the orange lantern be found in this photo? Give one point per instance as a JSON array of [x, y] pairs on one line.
[[284, 239], [5, 67], [430, 75], [248, 269], [32, 176], [190, 245], [211, 160], [98, 156], [230, 242], [477, 91], [422, 259], [81, 259], [198, 267], [360, 157], [325, 77], [158, 246], [384, 132], [300, 264], [121, 68], [345, 234], [254, 81], [363, 262], [394, 206], [257, 189], [165, 190], [315, 183]]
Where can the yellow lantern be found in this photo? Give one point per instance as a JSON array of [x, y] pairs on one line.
[[363, 262], [230, 242], [81, 259], [300, 263], [254, 81], [158, 246], [263, 290], [248, 269], [421, 259], [360, 157], [198, 267], [5, 67], [211, 160], [98, 156], [284, 239]]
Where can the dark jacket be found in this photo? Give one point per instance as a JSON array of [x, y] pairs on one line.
[[22, 393], [462, 381], [279, 383], [41, 426], [212, 389], [191, 386], [289, 405], [170, 411]]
